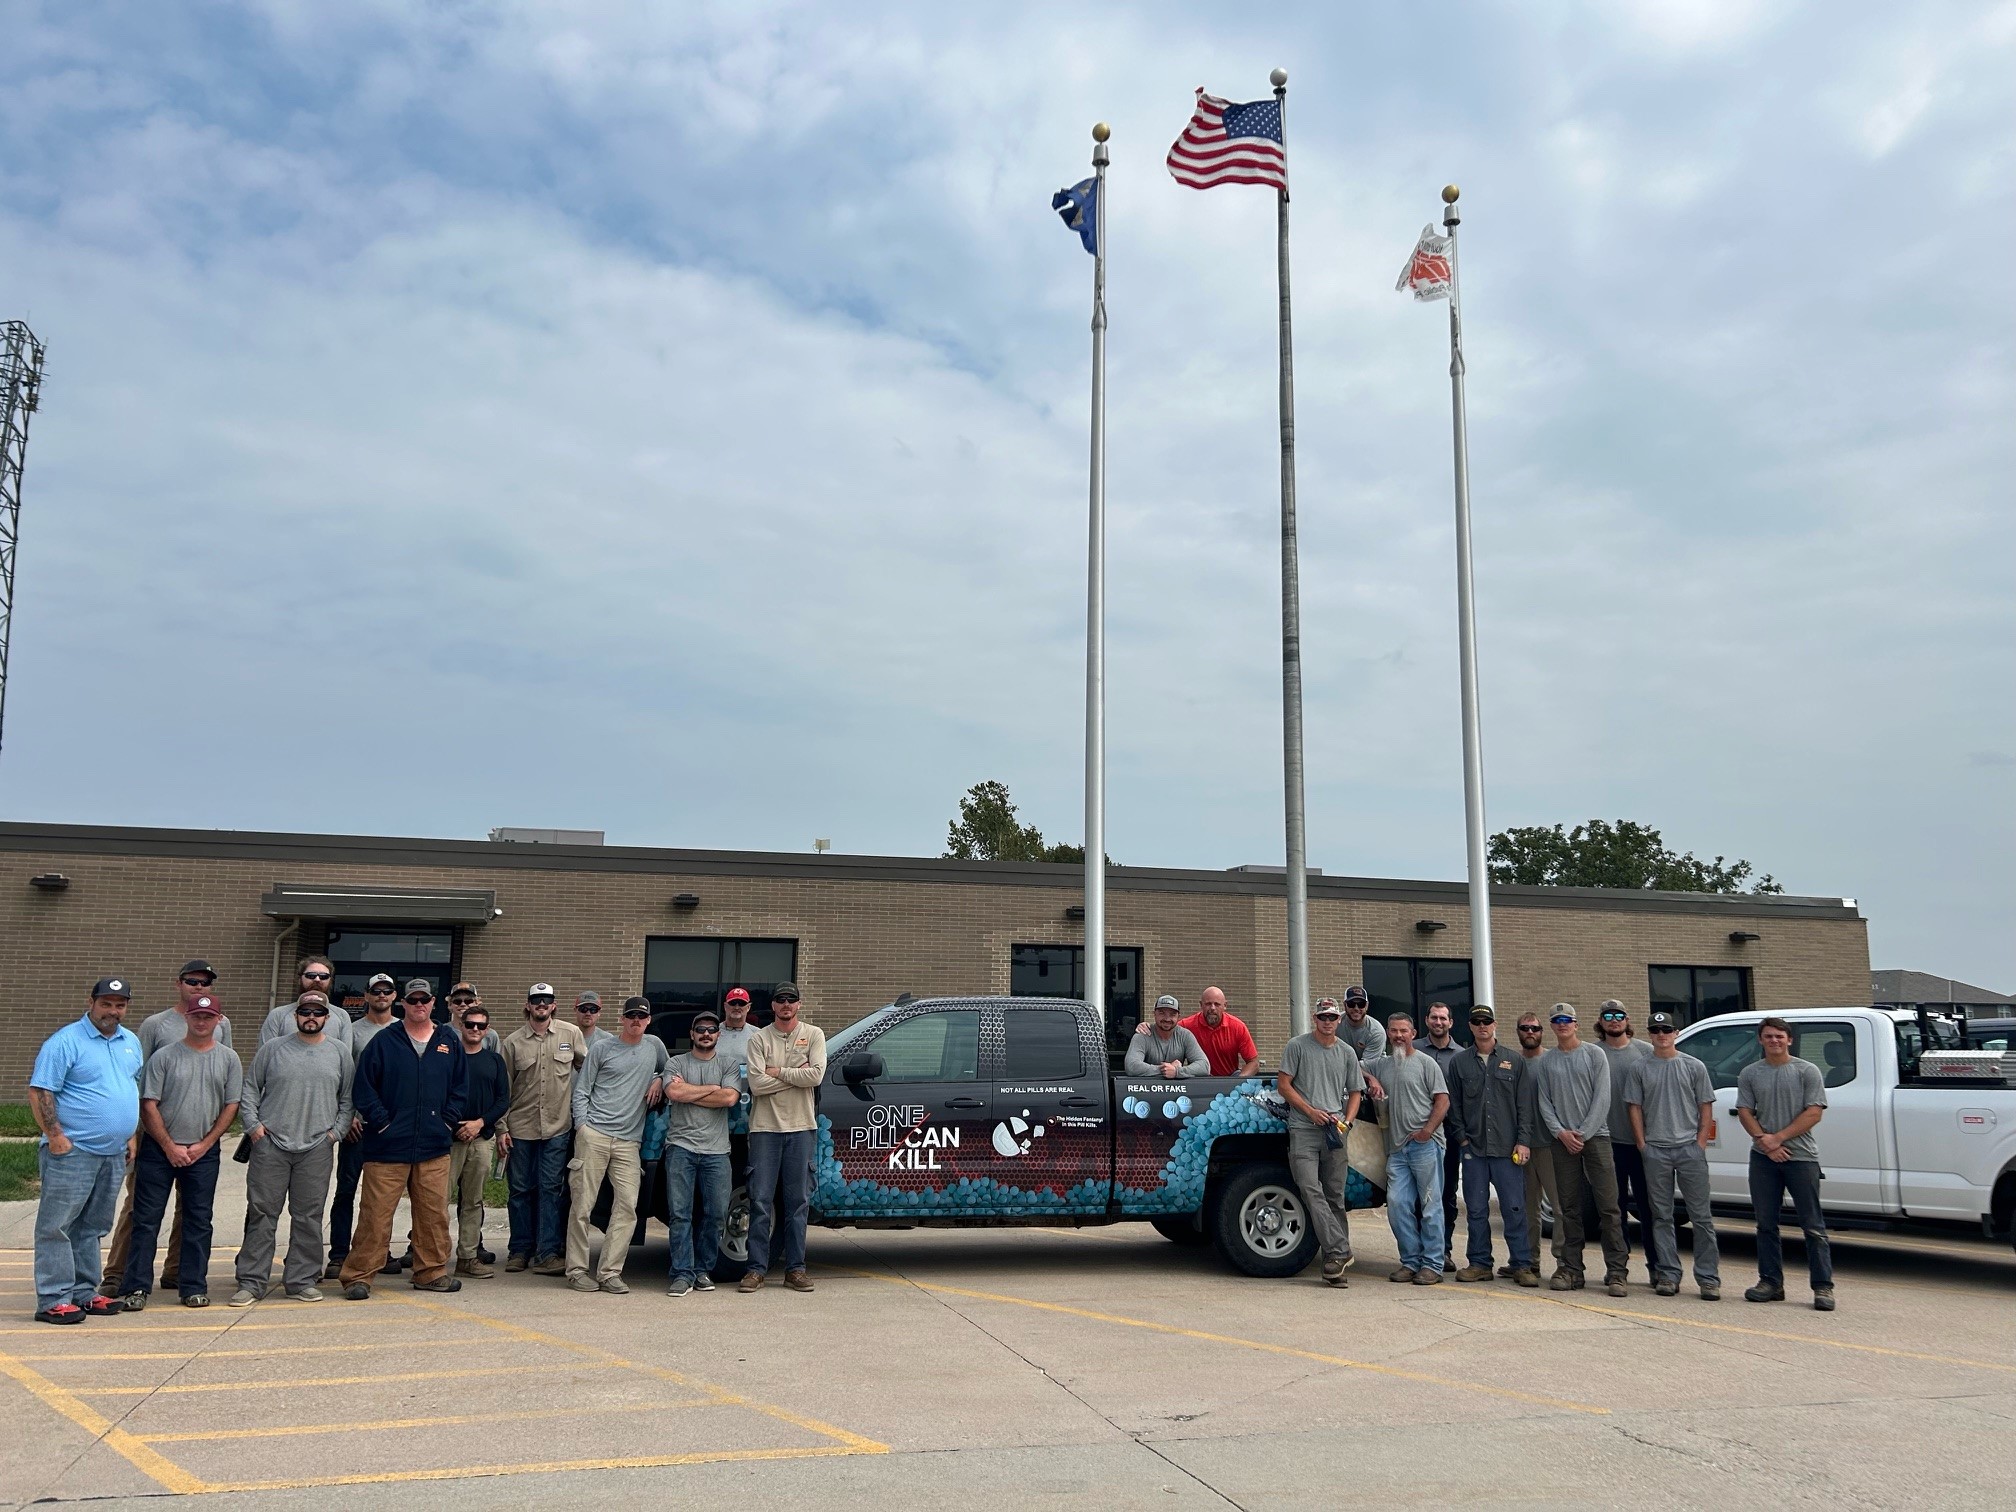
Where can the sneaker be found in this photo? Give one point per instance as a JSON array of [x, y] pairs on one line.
[[679, 1287], [1764, 1291], [797, 1280], [703, 1282], [135, 1302], [356, 1291], [582, 1283], [1566, 1280], [1333, 1270], [307, 1294], [243, 1297], [196, 1299], [1710, 1292], [753, 1281], [1526, 1276], [438, 1284], [1428, 1278], [1614, 1286], [1474, 1273], [1823, 1301], [615, 1286], [476, 1268], [517, 1263], [103, 1307], [62, 1312], [1402, 1274], [549, 1265], [1665, 1288]]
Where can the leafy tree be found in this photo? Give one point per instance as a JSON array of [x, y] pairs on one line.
[[987, 830], [1624, 854]]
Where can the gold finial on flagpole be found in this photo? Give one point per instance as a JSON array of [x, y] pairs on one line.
[[1101, 132], [1450, 193]]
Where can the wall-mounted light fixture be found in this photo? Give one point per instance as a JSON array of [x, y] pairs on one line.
[[686, 900], [50, 881], [1075, 911], [1429, 926], [1742, 936]]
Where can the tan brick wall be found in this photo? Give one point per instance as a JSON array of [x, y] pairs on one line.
[[860, 942]]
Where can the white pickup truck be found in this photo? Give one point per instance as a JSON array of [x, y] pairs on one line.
[[1903, 1136]]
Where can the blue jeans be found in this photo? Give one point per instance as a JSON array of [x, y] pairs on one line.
[[537, 1172], [1770, 1180], [80, 1195], [343, 1213], [153, 1179], [684, 1169], [780, 1176], [1414, 1203], [1481, 1173]]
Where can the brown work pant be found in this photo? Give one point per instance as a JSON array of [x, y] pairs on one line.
[[122, 1242], [383, 1183], [1578, 1177], [1539, 1183]]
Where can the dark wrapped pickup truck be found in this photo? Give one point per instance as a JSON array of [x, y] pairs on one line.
[[980, 1112]]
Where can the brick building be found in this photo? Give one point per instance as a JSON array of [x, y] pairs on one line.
[[78, 901]]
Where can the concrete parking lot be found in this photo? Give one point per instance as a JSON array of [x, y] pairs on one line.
[[1102, 1367]]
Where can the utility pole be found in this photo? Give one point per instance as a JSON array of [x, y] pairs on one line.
[[20, 395]]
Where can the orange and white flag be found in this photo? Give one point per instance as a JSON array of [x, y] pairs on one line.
[[1427, 272]]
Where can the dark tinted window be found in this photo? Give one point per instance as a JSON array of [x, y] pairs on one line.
[[1725, 1049], [1410, 984], [1693, 993], [1059, 971], [1831, 1047], [1042, 1045], [682, 975]]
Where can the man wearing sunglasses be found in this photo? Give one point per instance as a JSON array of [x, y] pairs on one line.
[[542, 1060], [1671, 1100], [623, 1078], [787, 1061], [317, 974], [588, 1015], [1574, 1093], [381, 995], [701, 1087], [461, 998], [1540, 1162], [475, 1146], [1613, 1033], [295, 1109], [410, 1088]]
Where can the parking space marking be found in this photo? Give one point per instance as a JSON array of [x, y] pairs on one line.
[[282, 1352], [458, 1420], [363, 1380], [1737, 1328], [156, 1467], [229, 1321], [1218, 1338], [547, 1467]]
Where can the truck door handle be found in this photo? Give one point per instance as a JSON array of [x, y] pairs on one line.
[[1079, 1102], [965, 1104]]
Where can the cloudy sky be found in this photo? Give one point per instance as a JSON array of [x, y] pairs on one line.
[[671, 420]]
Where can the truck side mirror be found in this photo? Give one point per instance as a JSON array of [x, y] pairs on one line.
[[862, 1068]]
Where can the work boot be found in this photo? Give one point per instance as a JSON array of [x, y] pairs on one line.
[[1566, 1280], [1403, 1274], [1666, 1288], [1711, 1291], [390, 1267], [1823, 1301], [1525, 1275], [1506, 1272], [334, 1268], [438, 1284], [1614, 1285], [798, 1281], [1427, 1278], [356, 1291], [549, 1265], [1764, 1291], [1474, 1273], [484, 1255], [751, 1282], [474, 1268], [517, 1263]]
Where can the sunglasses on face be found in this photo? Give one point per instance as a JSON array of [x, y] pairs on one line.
[[460, 997], [381, 992], [421, 997], [311, 1013], [587, 1007], [1664, 1029], [1613, 1018], [705, 1029], [475, 1026], [786, 1002], [1529, 1028], [314, 976], [638, 1013], [539, 1000], [197, 981]]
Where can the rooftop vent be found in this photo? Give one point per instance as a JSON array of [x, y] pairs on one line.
[[510, 835]]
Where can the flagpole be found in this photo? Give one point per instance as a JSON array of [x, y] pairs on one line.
[[1291, 633], [1483, 987], [1095, 611]]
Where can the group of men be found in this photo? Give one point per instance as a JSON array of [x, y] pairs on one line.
[[415, 1100], [1591, 1128]]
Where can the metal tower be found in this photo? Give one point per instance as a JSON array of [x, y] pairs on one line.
[[20, 392]]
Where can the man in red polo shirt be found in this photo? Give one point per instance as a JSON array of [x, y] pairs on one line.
[[1228, 1044]]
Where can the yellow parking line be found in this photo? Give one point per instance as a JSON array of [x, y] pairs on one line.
[[262, 1353], [1737, 1328], [163, 1472], [363, 1380], [547, 1467], [457, 1421], [1218, 1338], [228, 1321]]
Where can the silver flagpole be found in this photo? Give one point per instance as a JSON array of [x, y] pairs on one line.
[[1291, 636], [1483, 987], [1095, 612]]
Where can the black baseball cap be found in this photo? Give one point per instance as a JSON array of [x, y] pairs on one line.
[[1357, 995], [112, 987], [706, 1016], [784, 992], [636, 1007], [192, 967], [1661, 1021], [1482, 1014]]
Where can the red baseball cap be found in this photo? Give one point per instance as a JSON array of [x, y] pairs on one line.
[[738, 994]]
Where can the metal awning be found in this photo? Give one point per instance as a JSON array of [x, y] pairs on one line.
[[388, 905]]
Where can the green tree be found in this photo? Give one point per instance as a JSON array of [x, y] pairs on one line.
[[1624, 854], [987, 830]]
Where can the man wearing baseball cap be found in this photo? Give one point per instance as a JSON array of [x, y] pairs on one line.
[[735, 1027], [1323, 1084], [1613, 1033], [541, 1060], [295, 1109], [701, 1087], [188, 1096], [85, 1094], [587, 1011], [623, 1079], [380, 994], [1363, 1033], [1494, 1119], [1164, 1048], [316, 973], [1574, 1091], [1671, 1101]]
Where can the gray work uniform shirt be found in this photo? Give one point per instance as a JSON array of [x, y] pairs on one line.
[[1324, 1075], [1621, 1062], [1366, 1038], [1147, 1051], [609, 1093], [1668, 1092], [192, 1087], [281, 1021], [1575, 1092], [1412, 1082], [298, 1092], [1779, 1094], [690, 1126]]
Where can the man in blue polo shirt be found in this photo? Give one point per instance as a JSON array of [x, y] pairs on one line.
[[85, 1091]]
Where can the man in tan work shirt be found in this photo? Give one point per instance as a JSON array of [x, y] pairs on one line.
[[543, 1059], [787, 1061]]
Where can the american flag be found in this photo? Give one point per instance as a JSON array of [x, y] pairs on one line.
[[1230, 144]]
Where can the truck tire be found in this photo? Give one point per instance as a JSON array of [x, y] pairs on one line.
[[733, 1258], [1261, 1224], [1180, 1228]]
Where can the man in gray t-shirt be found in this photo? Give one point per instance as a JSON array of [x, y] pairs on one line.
[[1778, 1101], [1321, 1079], [1417, 1100], [1164, 1048], [1669, 1103], [701, 1087], [188, 1096], [1573, 1081], [622, 1078], [1634, 1202]]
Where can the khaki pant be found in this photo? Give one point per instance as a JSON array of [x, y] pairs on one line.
[[122, 1242], [1539, 1183], [468, 1168], [597, 1155], [426, 1187]]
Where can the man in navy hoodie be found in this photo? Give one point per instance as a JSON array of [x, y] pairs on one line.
[[411, 1082]]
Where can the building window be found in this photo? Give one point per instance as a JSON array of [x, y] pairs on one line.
[[359, 954], [1059, 971], [682, 975], [1693, 993], [1408, 984]]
